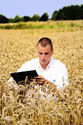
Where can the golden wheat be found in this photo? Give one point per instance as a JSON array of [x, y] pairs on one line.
[[26, 105]]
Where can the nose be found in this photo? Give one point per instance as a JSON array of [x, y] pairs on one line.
[[43, 56]]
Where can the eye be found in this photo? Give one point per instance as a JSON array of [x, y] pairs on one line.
[[40, 53], [46, 53]]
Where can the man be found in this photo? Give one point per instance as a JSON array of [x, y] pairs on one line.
[[50, 70]]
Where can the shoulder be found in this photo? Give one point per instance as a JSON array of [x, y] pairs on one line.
[[58, 64], [29, 65], [32, 61]]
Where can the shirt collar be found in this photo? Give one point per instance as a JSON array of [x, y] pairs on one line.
[[50, 63]]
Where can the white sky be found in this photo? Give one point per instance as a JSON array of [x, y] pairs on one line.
[[11, 8]]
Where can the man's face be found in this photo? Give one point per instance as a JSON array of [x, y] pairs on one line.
[[44, 54]]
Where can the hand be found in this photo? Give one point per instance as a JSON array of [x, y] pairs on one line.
[[40, 80]]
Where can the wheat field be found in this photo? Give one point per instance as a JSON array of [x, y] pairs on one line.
[[65, 107]]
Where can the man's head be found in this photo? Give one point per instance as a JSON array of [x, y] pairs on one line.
[[45, 51]]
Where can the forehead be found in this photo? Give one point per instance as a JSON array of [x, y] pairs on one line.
[[46, 48]]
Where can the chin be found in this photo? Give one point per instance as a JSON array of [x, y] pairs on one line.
[[44, 63]]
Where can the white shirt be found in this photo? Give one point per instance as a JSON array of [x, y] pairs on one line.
[[55, 72]]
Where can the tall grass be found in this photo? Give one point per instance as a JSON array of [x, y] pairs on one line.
[[44, 25]]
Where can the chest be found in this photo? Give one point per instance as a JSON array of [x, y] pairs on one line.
[[51, 74]]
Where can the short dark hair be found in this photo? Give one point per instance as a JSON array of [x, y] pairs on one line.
[[45, 41]]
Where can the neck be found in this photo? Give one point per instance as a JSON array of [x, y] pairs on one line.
[[44, 66]]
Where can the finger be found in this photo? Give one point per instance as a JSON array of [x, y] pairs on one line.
[[40, 82], [38, 77], [33, 79]]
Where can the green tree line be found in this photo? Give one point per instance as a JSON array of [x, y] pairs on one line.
[[72, 12]]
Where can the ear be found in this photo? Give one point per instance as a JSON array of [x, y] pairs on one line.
[[52, 51]]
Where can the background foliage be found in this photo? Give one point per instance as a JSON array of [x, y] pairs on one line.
[[72, 12]]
